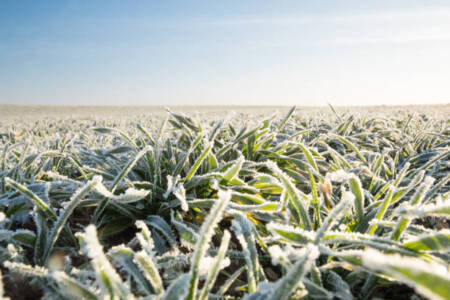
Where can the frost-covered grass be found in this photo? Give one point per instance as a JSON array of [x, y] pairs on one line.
[[331, 205]]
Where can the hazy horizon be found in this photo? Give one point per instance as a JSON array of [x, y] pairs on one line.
[[196, 53], [222, 105]]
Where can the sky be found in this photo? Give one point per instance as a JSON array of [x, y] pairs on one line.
[[73, 52]]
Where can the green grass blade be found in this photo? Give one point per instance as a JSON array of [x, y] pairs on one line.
[[198, 162], [212, 274], [439, 241], [206, 233], [429, 279], [296, 273], [294, 194], [64, 216]]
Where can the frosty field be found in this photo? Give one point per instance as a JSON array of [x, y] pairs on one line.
[[225, 203]]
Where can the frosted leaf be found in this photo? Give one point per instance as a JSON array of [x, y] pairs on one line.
[[93, 247], [207, 261], [61, 178], [13, 253], [294, 253], [441, 208], [264, 292], [26, 269], [277, 255], [214, 184], [171, 182], [149, 268], [142, 226], [104, 271], [206, 233], [342, 227], [348, 196], [64, 206], [188, 236], [377, 260], [236, 227], [177, 190], [101, 189], [145, 238], [131, 195], [71, 287], [178, 289], [280, 229], [180, 193], [311, 251], [429, 180], [286, 285], [2, 217], [339, 176]]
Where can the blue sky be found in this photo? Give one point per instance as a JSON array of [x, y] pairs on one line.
[[224, 52]]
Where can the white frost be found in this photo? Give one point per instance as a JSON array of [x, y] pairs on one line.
[[207, 262], [2, 217], [339, 176]]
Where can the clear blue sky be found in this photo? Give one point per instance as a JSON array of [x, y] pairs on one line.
[[224, 52]]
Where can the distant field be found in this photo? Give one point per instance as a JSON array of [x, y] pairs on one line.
[[35, 112], [224, 203], [11, 111]]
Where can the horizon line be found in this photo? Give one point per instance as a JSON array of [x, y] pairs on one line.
[[221, 105]]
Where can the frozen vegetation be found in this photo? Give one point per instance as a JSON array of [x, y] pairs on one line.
[[311, 204]]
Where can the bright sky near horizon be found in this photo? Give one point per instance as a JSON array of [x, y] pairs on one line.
[[224, 52]]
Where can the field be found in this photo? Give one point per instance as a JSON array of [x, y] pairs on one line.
[[205, 203]]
